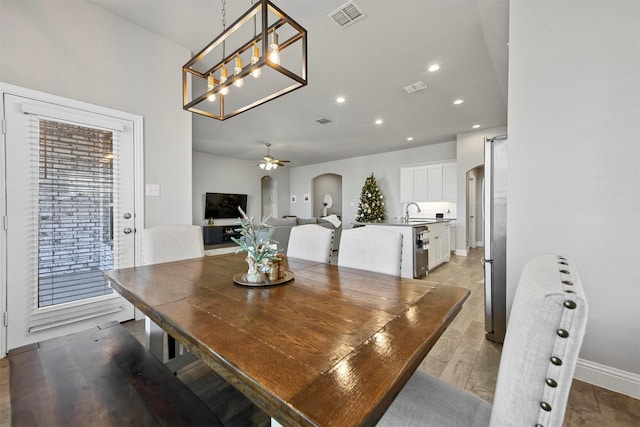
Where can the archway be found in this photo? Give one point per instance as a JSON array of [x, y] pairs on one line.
[[327, 188], [269, 196]]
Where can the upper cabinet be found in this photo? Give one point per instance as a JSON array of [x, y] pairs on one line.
[[428, 183]]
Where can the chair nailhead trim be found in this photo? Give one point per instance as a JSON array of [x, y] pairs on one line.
[[563, 271], [556, 360], [567, 282], [563, 262], [539, 425], [563, 333], [545, 406], [551, 382], [570, 304]]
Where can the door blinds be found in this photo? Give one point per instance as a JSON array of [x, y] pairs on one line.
[[74, 187]]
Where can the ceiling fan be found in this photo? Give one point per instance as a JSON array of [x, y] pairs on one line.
[[269, 163]]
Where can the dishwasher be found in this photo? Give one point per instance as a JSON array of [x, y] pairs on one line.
[[420, 251]]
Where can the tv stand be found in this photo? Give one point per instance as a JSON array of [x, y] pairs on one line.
[[219, 234]]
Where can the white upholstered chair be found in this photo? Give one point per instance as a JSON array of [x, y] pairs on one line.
[[173, 242], [311, 242], [371, 248], [166, 243], [544, 335]]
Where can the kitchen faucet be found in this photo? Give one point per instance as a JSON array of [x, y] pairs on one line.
[[406, 213]]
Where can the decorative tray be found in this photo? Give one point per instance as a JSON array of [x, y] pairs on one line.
[[240, 280]]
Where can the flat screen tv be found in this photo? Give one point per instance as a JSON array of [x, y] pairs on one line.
[[222, 205]]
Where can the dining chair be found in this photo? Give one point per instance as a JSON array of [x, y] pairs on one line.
[[311, 242], [172, 242], [371, 248], [166, 243], [544, 335]]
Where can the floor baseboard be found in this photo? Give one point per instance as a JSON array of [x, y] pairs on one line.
[[607, 377]]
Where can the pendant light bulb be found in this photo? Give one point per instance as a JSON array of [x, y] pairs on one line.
[[223, 78], [275, 166], [238, 82], [268, 166], [262, 165], [256, 73], [210, 85], [274, 53]]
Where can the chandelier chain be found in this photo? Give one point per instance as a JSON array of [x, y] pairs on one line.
[[224, 15]]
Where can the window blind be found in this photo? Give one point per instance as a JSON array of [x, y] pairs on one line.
[[75, 212]]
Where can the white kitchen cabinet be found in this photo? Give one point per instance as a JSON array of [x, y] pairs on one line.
[[413, 184], [450, 187], [439, 244], [452, 236], [434, 182]]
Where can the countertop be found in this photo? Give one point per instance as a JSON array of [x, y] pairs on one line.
[[414, 222]]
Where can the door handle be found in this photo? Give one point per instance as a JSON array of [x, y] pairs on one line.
[[127, 230]]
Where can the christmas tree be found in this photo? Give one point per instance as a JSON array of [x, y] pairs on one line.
[[371, 206]]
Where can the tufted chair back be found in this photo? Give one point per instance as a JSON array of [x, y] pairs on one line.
[[371, 248], [545, 331], [171, 242], [544, 335], [311, 242]]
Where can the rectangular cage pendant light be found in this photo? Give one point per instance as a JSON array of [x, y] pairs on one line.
[[273, 49]]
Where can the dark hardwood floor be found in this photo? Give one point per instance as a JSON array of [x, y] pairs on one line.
[[462, 357]]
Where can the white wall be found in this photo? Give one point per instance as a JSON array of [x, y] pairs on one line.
[[215, 174], [354, 171], [470, 149], [574, 160], [76, 50]]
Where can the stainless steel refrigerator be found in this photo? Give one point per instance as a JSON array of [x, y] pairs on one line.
[[495, 237]]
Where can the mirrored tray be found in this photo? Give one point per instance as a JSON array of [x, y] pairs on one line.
[[240, 280]]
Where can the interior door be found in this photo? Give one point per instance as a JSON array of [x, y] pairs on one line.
[[471, 209], [70, 216]]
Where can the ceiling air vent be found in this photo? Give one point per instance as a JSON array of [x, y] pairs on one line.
[[347, 14], [323, 120], [415, 87]]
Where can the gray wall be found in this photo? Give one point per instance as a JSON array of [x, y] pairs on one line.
[[79, 51], [354, 171], [217, 174], [574, 161], [470, 149]]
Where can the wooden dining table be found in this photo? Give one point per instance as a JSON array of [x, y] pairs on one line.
[[332, 347]]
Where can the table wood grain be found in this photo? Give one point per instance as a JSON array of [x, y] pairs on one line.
[[332, 347]]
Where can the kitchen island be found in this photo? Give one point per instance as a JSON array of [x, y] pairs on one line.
[[420, 252]]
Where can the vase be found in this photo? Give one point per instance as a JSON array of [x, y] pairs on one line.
[[254, 275]]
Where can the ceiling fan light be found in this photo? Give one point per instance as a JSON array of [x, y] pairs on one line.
[[275, 166], [261, 165]]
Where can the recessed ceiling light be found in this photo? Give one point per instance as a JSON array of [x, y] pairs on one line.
[[434, 67], [340, 99], [475, 126], [410, 138], [379, 121], [458, 101]]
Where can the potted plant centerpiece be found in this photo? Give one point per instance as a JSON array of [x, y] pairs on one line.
[[256, 242]]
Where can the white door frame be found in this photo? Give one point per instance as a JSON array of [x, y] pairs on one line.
[[138, 143]]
